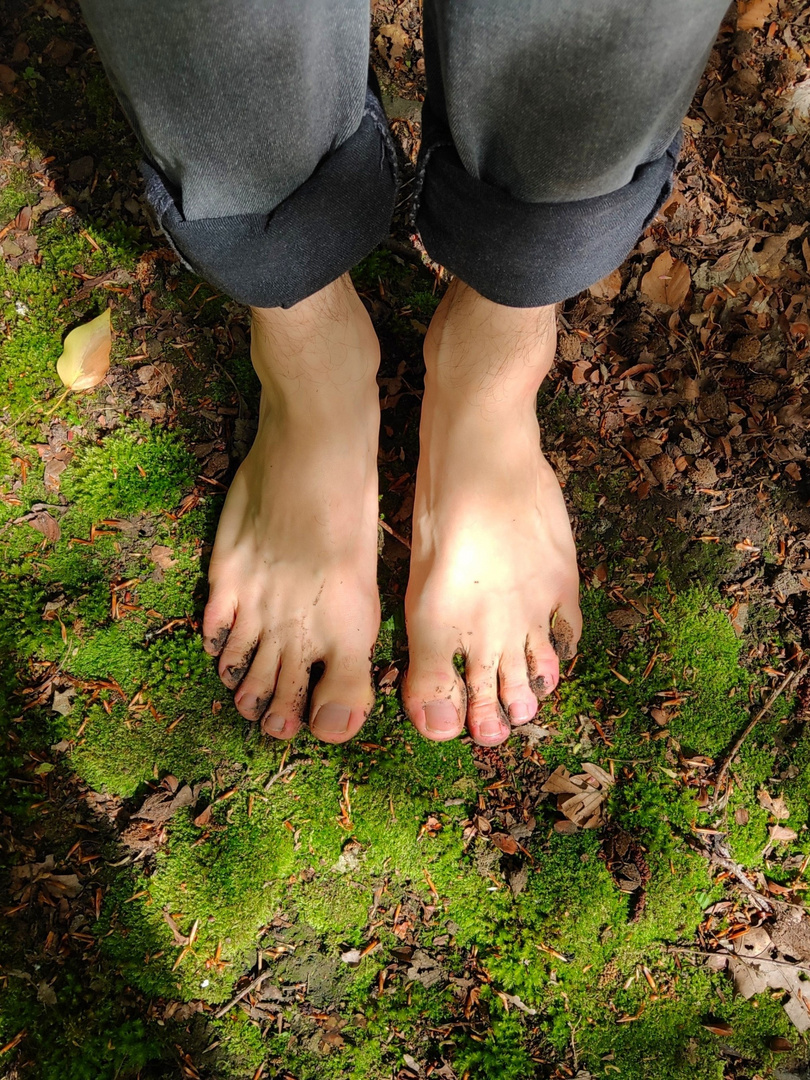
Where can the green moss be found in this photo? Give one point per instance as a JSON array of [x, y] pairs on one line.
[[16, 191], [133, 471]]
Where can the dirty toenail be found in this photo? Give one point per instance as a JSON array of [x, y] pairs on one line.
[[273, 724], [489, 728], [332, 719], [441, 716], [518, 710]]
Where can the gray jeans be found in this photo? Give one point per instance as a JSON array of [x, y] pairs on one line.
[[550, 134]]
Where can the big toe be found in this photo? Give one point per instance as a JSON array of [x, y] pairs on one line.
[[342, 699]]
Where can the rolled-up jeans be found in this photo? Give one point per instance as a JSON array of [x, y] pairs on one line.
[[551, 131]]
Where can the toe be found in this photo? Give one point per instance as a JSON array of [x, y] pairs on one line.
[[218, 620], [543, 664], [486, 720], [235, 658], [286, 711], [342, 698], [566, 628], [256, 689], [433, 695], [517, 697]]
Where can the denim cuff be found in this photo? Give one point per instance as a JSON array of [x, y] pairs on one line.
[[529, 254], [328, 224]]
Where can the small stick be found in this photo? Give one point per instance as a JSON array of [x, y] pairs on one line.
[[285, 770], [766, 708], [757, 899], [391, 532], [251, 986]]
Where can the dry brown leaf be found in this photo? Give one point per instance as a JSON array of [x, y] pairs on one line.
[[584, 809], [775, 806], [44, 523], [781, 834], [609, 287], [598, 773], [753, 943], [753, 14], [85, 359], [718, 1027], [753, 976], [392, 42], [770, 259], [507, 844], [560, 783], [667, 282], [162, 556]]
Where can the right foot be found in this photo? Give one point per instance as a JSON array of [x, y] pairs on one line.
[[293, 575]]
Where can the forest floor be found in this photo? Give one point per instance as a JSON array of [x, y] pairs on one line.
[[184, 898]]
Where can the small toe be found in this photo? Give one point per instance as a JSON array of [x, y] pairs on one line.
[[218, 620], [235, 658], [286, 711], [543, 665], [433, 694], [342, 699], [257, 687], [516, 695], [566, 628], [486, 720]]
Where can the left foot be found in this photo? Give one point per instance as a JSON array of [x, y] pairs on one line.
[[493, 566]]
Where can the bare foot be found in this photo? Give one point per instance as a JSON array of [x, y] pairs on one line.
[[493, 566], [293, 575]]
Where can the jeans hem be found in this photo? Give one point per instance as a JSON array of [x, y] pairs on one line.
[[319, 232], [531, 254]]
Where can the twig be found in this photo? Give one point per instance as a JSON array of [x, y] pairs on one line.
[[251, 986], [766, 708], [395, 535], [758, 900]]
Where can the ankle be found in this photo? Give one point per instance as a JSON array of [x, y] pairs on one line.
[[323, 345], [486, 352]]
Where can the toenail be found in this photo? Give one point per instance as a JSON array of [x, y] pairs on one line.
[[518, 710], [273, 724], [332, 719], [440, 716], [489, 728]]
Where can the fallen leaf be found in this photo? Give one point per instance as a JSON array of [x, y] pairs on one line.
[[781, 834], [46, 994], [599, 774], [85, 359], [753, 976], [718, 1027], [609, 287], [44, 523], [755, 942], [392, 42], [667, 281], [559, 783], [507, 844], [63, 702], [162, 556], [775, 806], [753, 14], [425, 970], [780, 1045]]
